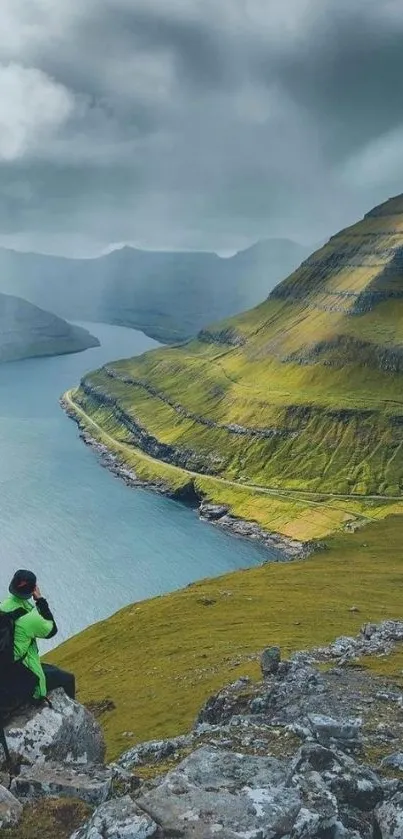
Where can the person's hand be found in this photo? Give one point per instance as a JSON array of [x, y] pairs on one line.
[[36, 594]]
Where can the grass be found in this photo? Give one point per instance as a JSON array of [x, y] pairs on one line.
[[159, 660], [49, 819]]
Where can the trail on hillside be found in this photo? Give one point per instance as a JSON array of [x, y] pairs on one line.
[[308, 497]]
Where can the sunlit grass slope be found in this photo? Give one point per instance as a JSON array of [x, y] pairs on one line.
[[303, 393], [158, 660]]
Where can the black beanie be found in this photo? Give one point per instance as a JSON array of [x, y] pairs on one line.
[[23, 584]]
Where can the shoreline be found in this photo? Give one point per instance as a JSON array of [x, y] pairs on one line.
[[213, 514]]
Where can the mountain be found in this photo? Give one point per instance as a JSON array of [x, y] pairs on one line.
[[168, 295], [27, 331], [290, 414]]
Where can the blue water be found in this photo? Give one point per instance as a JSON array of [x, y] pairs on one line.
[[94, 544]]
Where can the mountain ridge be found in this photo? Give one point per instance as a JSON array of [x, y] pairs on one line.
[[170, 295], [319, 362]]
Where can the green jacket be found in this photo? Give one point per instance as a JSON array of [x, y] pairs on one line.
[[27, 629]]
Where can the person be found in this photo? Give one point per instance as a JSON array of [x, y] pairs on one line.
[[37, 622]]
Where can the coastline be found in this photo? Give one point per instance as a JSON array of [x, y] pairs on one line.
[[217, 515]]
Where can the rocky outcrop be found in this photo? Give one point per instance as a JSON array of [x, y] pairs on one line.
[[65, 733], [282, 548], [215, 791], [345, 349], [287, 758], [229, 337]]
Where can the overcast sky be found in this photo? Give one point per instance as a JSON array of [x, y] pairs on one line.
[[195, 123]]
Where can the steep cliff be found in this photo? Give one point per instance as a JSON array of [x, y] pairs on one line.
[[298, 396], [26, 331]]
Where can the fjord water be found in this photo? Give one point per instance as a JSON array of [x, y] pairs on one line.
[[95, 544]]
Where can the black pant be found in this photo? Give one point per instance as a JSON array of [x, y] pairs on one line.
[[56, 678]]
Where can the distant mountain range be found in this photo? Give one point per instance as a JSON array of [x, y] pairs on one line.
[[27, 331], [171, 296]]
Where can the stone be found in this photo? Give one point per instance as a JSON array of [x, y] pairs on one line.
[[218, 792], [10, 809], [118, 819], [65, 733], [394, 761], [212, 512], [389, 818], [335, 790], [327, 729], [368, 630], [154, 751], [94, 785], [270, 660]]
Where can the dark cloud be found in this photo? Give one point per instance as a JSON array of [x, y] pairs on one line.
[[195, 123]]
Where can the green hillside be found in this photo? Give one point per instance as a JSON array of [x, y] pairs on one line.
[[159, 660], [291, 413]]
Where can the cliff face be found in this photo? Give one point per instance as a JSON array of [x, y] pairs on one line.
[[26, 331], [300, 394]]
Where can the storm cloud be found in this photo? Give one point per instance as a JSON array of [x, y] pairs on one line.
[[195, 123]]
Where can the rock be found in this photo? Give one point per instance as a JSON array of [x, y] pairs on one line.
[[10, 809], [64, 733], [153, 751], [118, 819], [326, 729], [220, 708], [368, 630], [394, 761], [270, 660], [93, 786], [103, 706], [217, 792], [124, 782], [331, 782], [212, 512], [389, 818]]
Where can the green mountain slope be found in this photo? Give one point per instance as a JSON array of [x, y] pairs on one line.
[[27, 331], [302, 395]]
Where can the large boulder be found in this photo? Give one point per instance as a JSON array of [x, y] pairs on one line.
[[217, 792], [389, 818], [10, 809], [93, 785], [63, 733], [118, 819]]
